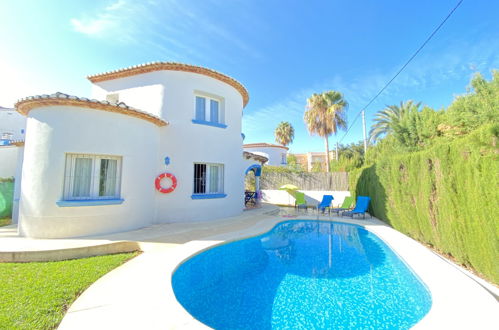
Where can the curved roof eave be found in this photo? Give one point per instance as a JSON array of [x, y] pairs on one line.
[[170, 66], [25, 105]]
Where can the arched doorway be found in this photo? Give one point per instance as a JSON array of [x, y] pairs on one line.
[[252, 193]]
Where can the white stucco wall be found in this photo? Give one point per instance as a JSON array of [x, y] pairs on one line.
[[57, 130], [12, 122], [54, 131], [274, 154], [313, 197], [8, 161], [185, 142]]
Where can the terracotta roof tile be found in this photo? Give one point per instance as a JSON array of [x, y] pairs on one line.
[[24, 106], [264, 145]]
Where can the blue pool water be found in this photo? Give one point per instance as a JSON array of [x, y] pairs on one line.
[[302, 274]]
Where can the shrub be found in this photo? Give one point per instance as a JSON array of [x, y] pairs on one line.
[[445, 196]]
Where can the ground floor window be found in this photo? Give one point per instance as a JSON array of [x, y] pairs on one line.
[[208, 178], [92, 177]]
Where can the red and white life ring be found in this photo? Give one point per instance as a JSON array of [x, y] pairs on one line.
[[169, 189]]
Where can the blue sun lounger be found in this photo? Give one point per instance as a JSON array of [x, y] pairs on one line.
[[325, 203], [360, 207]]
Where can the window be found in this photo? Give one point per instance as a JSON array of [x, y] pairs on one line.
[[92, 177], [208, 181], [209, 112]]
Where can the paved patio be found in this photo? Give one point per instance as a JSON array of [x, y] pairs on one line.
[[139, 293]]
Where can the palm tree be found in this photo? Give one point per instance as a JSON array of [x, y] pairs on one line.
[[325, 115], [387, 120], [284, 133]]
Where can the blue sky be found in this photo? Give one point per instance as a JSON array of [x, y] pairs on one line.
[[282, 51]]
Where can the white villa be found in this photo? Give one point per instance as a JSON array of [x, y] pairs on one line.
[[159, 142], [276, 154]]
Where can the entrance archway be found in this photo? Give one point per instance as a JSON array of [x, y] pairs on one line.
[[252, 193]]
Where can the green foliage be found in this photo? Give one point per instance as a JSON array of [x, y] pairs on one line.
[[293, 165], [36, 295], [5, 221], [445, 196], [351, 157], [479, 106], [317, 167], [284, 133], [416, 129], [277, 169], [407, 129], [389, 119], [326, 113], [6, 197]]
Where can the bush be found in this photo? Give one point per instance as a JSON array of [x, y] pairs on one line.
[[445, 196], [6, 196]]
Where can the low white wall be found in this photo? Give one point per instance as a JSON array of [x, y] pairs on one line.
[[8, 161], [313, 197]]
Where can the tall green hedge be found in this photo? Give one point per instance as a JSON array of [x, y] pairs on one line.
[[446, 196], [6, 197]]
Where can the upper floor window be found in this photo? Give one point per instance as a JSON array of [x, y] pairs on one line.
[[209, 112], [92, 177], [208, 180]]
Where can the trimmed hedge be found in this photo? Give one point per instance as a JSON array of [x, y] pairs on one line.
[[6, 197], [446, 196]]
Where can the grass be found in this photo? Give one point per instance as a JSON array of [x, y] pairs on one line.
[[5, 221], [36, 295]]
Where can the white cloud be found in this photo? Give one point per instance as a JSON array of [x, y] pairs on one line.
[[92, 26], [178, 30], [102, 23]]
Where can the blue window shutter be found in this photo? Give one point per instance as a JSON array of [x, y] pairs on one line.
[[200, 108], [214, 111]]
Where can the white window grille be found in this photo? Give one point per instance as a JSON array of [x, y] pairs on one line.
[[208, 178], [92, 177]]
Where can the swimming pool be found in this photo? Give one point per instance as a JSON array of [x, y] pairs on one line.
[[302, 274]]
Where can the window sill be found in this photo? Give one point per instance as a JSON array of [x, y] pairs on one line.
[[208, 196], [208, 123], [89, 202]]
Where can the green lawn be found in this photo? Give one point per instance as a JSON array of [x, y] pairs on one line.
[[36, 295], [4, 221]]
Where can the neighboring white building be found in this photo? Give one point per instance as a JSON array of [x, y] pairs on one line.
[[93, 167], [12, 129], [275, 153], [12, 126]]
